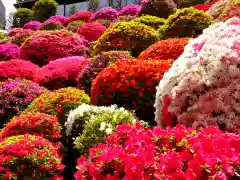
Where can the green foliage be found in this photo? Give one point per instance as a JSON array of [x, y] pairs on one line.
[[74, 25], [93, 5], [152, 21], [72, 10], [43, 9], [130, 36], [186, 22], [104, 22], [2, 35], [22, 16]]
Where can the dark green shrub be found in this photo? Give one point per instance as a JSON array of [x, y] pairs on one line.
[[22, 16]]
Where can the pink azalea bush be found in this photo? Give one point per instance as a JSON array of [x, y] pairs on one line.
[[46, 46], [61, 72], [17, 68], [33, 25], [105, 13], [202, 86], [83, 16], [130, 10], [19, 35], [9, 51], [59, 18], [173, 154]]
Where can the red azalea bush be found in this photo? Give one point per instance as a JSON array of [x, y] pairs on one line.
[[39, 124], [29, 157], [173, 154], [203, 7], [83, 16], [51, 24], [19, 35], [130, 84], [91, 31], [9, 51], [17, 68], [46, 46], [107, 13], [130, 10], [33, 25], [61, 72], [165, 49]]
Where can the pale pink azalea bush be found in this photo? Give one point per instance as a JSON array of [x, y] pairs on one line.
[[172, 154], [202, 86]]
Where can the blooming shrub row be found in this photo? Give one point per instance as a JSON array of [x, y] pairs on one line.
[[9, 51]]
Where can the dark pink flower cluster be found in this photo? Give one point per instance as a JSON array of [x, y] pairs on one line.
[[8, 51], [17, 68], [91, 31], [83, 16], [33, 25], [59, 18], [130, 10], [46, 46], [61, 72], [171, 154], [105, 13], [19, 35]]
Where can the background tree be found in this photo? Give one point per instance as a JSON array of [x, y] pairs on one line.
[[93, 5], [22, 16], [111, 3], [73, 10]]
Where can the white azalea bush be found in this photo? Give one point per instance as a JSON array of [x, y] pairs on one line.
[[88, 125], [203, 85]]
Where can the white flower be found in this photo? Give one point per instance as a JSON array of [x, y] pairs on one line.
[[109, 130], [102, 126]]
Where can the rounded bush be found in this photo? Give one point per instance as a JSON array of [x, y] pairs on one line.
[[58, 103], [9, 51], [61, 72], [74, 25], [35, 157], [89, 125], [59, 18], [44, 47], [107, 13], [19, 35], [140, 153], [130, 36], [130, 10], [80, 16], [91, 31], [217, 8], [51, 25], [203, 7], [165, 49], [201, 88], [152, 21], [187, 22], [96, 65], [43, 9], [32, 25], [22, 16], [130, 84], [17, 68], [39, 124], [15, 96]]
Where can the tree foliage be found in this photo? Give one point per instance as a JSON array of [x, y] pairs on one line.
[[22, 16]]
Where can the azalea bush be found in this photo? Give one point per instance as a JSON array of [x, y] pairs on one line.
[[44, 47], [51, 24], [186, 22], [130, 84], [130, 10], [91, 31], [61, 72], [149, 20], [217, 8], [105, 13], [203, 7], [9, 51], [130, 36], [15, 96], [3, 35], [82, 16], [59, 18], [58, 103], [104, 22], [17, 68], [89, 125], [74, 25], [134, 152], [35, 157], [22, 16], [165, 49], [201, 88], [39, 124], [96, 65], [20, 35], [32, 25]]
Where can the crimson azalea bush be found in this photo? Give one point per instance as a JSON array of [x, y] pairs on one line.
[[96, 65], [82, 16], [91, 31], [130, 10], [59, 18], [165, 49], [58, 103], [33, 25], [51, 24], [203, 7], [149, 20], [46, 46], [74, 25], [19, 35], [105, 13], [61, 72], [130, 84], [9, 51], [17, 68], [15, 96], [39, 124], [35, 158], [174, 154], [130, 36]]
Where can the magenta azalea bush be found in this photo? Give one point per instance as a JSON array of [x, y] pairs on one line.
[[20, 36], [9, 51], [105, 13], [59, 18], [130, 10], [171, 154], [33, 25]]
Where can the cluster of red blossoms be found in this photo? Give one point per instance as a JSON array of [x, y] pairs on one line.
[[156, 154], [83, 16]]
